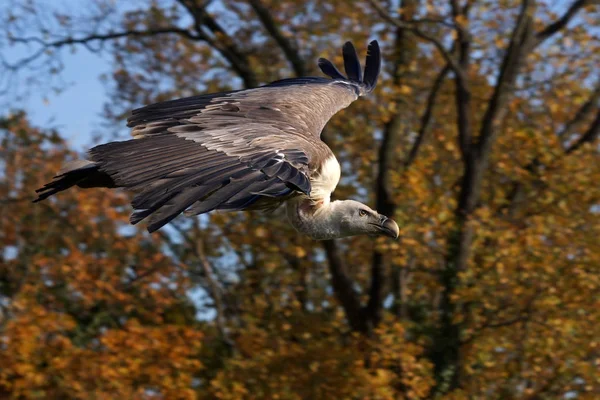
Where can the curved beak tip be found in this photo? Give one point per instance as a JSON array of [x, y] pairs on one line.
[[390, 228]]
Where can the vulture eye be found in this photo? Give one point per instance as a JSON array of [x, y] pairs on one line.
[[363, 213]]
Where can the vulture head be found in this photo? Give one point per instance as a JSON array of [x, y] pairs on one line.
[[358, 219], [338, 219]]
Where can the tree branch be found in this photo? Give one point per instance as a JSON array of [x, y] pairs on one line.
[[85, 40], [108, 36], [289, 48], [342, 283], [405, 53], [467, 7], [464, 124], [583, 111], [589, 136], [214, 289], [520, 45], [426, 117], [413, 28], [517, 194], [446, 350], [223, 42], [562, 22], [523, 315], [343, 288]]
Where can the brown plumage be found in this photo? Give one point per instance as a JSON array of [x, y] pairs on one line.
[[236, 150]]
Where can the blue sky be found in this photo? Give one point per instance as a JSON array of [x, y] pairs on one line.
[[75, 112]]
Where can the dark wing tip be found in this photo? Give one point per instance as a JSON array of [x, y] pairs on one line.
[[329, 69], [351, 62], [372, 65], [353, 68]]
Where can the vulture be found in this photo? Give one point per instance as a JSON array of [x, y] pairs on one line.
[[252, 149]]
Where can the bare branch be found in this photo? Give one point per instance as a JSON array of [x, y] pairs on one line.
[[85, 40], [289, 48], [426, 117], [412, 27], [373, 309], [435, 21], [10, 200], [561, 22], [109, 35], [223, 43]]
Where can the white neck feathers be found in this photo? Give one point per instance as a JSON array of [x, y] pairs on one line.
[[325, 181], [316, 216]]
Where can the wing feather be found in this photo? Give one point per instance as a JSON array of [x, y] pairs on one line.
[[329, 69], [372, 65], [229, 150], [188, 174], [303, 104], [351, 62], [232, 150]]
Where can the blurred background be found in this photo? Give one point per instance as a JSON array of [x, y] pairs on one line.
[[480, 140]]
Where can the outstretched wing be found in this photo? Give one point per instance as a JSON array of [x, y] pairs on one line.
[[171, 174], [228, 150], [304, 104]]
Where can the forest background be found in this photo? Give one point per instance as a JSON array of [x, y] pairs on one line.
[[480, 140]]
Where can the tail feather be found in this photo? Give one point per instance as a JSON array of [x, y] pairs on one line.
[[82, 173]]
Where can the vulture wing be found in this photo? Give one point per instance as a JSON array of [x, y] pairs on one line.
[[228, 150], [304, 104]]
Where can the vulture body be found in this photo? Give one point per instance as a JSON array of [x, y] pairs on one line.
[[239, 150]]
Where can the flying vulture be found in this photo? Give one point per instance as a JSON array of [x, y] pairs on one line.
[[251, 149]]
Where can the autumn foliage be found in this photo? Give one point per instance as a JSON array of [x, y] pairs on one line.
[[480, 139], [85, 309]]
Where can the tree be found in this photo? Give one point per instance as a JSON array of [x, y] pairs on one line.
[[492, 291], [85, 310]]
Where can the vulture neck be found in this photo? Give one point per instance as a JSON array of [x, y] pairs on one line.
[[320, 221]]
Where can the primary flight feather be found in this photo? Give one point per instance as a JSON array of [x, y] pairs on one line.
[[239, 150]]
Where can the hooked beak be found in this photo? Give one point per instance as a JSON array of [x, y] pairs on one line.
[[388, 227]]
